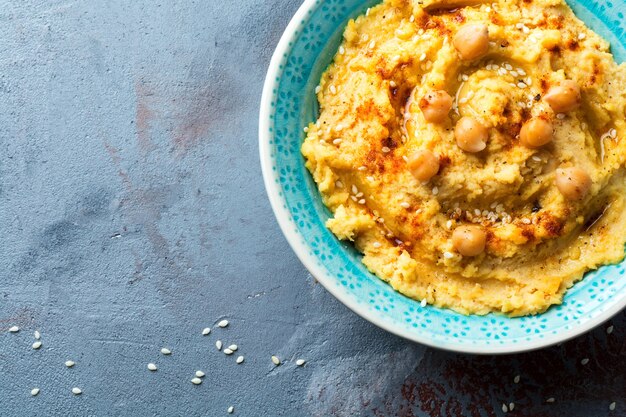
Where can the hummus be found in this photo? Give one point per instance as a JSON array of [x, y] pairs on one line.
[[544, 207]]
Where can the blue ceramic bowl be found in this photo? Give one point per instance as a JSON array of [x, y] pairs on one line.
[[289, 104]]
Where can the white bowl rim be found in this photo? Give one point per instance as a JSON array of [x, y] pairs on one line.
[[282, 216]]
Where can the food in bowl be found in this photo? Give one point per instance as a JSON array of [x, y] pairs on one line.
[[473, 152]]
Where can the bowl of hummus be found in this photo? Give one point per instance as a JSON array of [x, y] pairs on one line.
[[453, 171]]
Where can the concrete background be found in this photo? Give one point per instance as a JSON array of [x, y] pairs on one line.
[[133, 215]]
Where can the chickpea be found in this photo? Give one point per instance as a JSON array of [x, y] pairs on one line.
[[563, 97], [470, 134], [574, 183], [424, 165], [469, 240], [536, 132], [435, 106], [472, 41]]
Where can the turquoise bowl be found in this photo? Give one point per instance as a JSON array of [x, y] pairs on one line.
[[289, 104]]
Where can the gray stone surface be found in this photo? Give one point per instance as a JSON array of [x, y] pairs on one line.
[[133, 215]]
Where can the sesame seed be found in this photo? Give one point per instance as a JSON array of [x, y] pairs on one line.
[[536, 158], [504, 408], [218, 345], [34, 391], [412, 19], [318, 89], [386, 149], [14, 329], [372, 44], [361, 201], [581, 36], [449, 224], [69, 364], [612, 406], [585, 361], [519, 25], [152, 367], [613, 133], [392, 84], [199, 374], [550, 400], [376, 244], [333, 89], [560, 116], [275, 360], [353, 198], [233, 347], [300, 362], [37, 344], [521, 72], [369, 178], [405, 205], [528, 80], [516, 379], [362, 168], [76, 391], [477, 212], [511, 406], [459, 77], [423, 56], [240, 359], [526, 221], [502, 71], [196, 381], [367, 12], [609, 329], [463, 100], [223, 323], [37, 335], [488, 9], [464, 77], [514, 73], [306, 129], [354, 189], [206, 331], [337, 141], [508, 67], [338, 184], [423, 302], [525, 30], [342, 50], [228, 351], [521, 85], [435, 190], [166, 351], [231, 409], [448, 255]]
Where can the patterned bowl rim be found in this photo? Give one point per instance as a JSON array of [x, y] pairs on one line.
[[283, 216]]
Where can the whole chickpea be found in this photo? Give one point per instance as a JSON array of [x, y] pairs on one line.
[[536, 132], [470, 134], [469, 240], [472, 41], [435, 106], [423, 164], [573, 182], [564, 96]]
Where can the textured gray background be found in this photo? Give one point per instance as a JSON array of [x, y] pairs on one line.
[[133, 214]]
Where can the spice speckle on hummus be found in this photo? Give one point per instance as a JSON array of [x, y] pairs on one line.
[[474, 152]]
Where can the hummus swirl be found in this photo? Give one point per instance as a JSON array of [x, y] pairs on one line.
[[538, 238]]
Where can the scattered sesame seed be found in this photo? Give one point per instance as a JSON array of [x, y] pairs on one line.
[[369, 178], [449, 224], [305, 129], [526, 221], [514, 73], [448, 255], [240, 359], [612, 406], [275, 360], [585, 361], [37, 335], [504, 408], [581, 36], [477, 212], [488, 9], [222, 323], [422, 56], [463, 100], [560, 116], [609, 329], [337, 141], [525, 30], [152, 367], [166, 351], [362, 168], [199, 374], [435, 190], [511, 406], [362, 201], [405, 205], [536, 158], [550, 400], [372, 44], [412, 19], [233, 347], [516, 379], [37, 344], [423, 302], [376, 244], [354, 189], [464, 77], [386, 149], [300, 362], [521, 72], [318, 89], [76, 391], [333, 89], [521, 85], [508, 67], [231, 409], [218, 345], [338, 184], [69, 364], [34, 391], [392, 84], [353, 198], [196, 381], [228, 351], [613, 133], [14, 329], [342, 50]]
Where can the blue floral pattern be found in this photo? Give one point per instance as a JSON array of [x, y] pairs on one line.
[[294, 105]]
